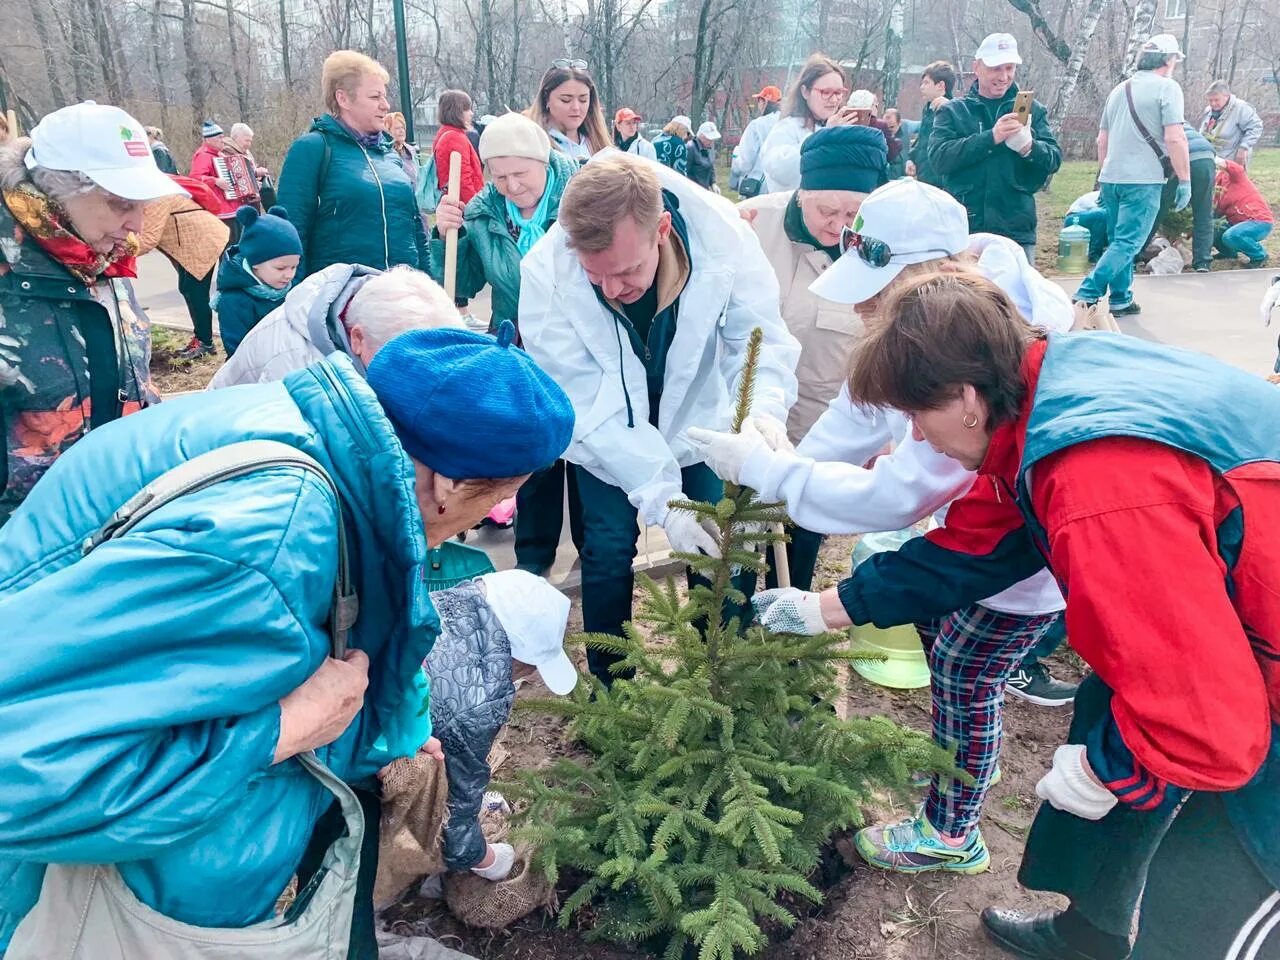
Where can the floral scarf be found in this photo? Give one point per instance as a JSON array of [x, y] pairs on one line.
[[46, 222]]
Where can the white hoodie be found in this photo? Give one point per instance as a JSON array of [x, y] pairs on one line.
[[825, 487]]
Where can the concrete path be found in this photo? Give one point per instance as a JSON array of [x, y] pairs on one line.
[[1216, 313]]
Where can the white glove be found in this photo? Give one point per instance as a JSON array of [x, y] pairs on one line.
[[1269, 301], [726, 453], [774, 432], [1020, 141], [788, 610], [687, 534], [504, 858], [1069, 787]]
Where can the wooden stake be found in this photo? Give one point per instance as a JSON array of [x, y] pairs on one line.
[[451, 236], [12, 118], [781, 563]]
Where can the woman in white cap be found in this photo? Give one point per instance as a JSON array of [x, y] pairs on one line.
[[905, 229], [814, 101], [76, 346], [672, 145], [702, 155], [495, 230]]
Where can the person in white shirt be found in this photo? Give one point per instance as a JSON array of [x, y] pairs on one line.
[[816, 100], [904, 229], [747, 169]]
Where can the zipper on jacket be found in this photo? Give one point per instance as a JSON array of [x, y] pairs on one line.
[[386, 241]]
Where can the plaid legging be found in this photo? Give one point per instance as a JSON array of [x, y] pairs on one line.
[[971, 655]]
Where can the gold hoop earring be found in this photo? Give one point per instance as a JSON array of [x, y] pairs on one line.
[[970, 420]]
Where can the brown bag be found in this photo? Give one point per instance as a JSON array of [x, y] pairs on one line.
[[478, 902], [1091, 317], [411, 838]]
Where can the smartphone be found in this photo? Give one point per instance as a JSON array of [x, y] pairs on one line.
[[1022, 105]]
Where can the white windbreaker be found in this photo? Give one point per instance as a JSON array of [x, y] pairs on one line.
[[748, 155], [581, 344], [826, 488], [781, 154]]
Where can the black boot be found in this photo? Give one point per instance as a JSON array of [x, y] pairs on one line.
[[1036, 936]]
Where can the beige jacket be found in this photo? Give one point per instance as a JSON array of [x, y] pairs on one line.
[[827, 331]]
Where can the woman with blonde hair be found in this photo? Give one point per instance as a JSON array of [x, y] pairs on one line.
[[815, 100], [568, 108], [344, 185], [407, 152]]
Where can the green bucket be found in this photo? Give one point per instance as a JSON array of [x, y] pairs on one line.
[[904, 666], [452, 563]]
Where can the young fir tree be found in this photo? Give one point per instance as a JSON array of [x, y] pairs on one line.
[[721, 769]]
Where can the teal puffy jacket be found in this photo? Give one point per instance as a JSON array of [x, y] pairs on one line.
[[138, 704], [350, 204], [486, 252]]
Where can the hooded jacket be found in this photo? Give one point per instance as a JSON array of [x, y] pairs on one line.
[[582, 345], [826, 488], [140, 722], [486, 252], [996, 185], [239, 309], [748, 155], [781, 154], [300, 331], [350, 204]]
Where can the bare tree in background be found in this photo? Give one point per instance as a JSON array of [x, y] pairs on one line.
[[48, 50], [237, 69], [1144, 14], [191, 48]]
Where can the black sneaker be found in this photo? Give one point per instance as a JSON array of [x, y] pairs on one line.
[[1128, 310], [196, 349], [1035, 684], [1032, 936]]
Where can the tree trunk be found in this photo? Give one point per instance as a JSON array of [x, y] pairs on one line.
[[194, 69], [80, 56], [1235, 49], [703, 58], [106, 56], [1144, 13], [237, 69], [1040, 26], [893, 53], [46, 47], [1188, 28], [513, 73], [284, 47], [1079, 48], [159, 49]]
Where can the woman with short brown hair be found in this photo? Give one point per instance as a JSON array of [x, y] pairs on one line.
[[814, 101], [455, 112]]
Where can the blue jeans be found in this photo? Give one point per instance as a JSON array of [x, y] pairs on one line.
[[1047, 644], [1131, 212], [1095, 221], [1246, 238]]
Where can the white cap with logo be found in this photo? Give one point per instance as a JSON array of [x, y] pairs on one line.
[[915, 221], [997, 49], [708, 130], [534, 615], [105, 144], [1165, 43]]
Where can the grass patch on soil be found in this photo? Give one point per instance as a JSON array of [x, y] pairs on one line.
[[172, 373]]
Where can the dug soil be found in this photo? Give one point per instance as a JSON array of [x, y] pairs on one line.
[[868, 914]]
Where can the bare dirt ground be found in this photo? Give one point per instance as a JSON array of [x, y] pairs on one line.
[[869, 914]]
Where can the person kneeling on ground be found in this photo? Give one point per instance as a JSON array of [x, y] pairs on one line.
[[255, 274], [1248, 215]]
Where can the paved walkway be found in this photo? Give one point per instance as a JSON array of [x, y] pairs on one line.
[[1216, 313]]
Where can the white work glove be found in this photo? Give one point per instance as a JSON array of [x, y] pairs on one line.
[[1269, 301], [1020, 141], [774, 432], [687, 534], [1069, 787], [726, 453], [788, 610], [504, 858]]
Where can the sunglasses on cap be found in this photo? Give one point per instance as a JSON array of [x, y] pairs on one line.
[[877, 253], [564, 63]]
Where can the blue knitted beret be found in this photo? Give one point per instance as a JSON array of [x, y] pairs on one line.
[[469, 406], [844, 158]]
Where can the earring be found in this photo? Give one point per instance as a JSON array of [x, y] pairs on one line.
[[440, 509], [970, 420]]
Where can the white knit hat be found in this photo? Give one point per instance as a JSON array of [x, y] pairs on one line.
[[514, 135]]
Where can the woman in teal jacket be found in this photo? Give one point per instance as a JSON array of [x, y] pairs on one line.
[[500, 225], [343, 183], [151, 723]]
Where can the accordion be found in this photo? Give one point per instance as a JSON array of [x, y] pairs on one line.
[[236, 170]]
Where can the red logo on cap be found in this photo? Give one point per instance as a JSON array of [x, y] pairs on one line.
[[136, 148]]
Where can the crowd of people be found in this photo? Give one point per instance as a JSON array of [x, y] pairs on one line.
[[255, 639]]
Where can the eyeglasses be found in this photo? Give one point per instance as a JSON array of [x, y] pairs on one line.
[[564, 63], [835, 94], [877, 253]]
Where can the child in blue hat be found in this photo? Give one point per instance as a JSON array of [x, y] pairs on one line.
[[254, 275]]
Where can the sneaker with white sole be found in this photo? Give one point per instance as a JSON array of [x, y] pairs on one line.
[[1034, 683], [914, 846]]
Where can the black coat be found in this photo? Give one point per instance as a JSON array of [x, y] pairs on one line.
[[702, 164], [997, 186], [920, 151]]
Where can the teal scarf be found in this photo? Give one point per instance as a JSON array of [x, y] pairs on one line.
[[531, 230], [259, 290]]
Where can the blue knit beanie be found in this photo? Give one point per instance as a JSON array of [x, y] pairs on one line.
[[471, 407], [267, 237], [209, 129], [844, 158]]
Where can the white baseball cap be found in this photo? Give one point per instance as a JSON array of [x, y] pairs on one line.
[[916, 221], [105, 144], [534, 615], [708, 130], [997, 49], [681, 119], [1165, 43], [861, 100]]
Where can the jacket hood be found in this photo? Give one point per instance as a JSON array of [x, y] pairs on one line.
[[1042, 302], [491, 204], [313, 308], [329, 124], [232, 274]]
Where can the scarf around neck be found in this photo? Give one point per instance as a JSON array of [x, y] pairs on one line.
[[797, 232], [259, 290], [47, 224], [532, 230], [370, 141]]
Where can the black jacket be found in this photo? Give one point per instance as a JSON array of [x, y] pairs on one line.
[[920, 151], [996, 185], [702, 164]]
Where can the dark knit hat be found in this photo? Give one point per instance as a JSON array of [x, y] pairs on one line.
[[844, 158], [469, 406], [267, 237]]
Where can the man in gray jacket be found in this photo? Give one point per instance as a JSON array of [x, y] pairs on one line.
[[1232, 125]]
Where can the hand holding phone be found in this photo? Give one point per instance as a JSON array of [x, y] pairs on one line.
[[1022, 106]]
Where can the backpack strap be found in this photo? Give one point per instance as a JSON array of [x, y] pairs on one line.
[[226, 463]]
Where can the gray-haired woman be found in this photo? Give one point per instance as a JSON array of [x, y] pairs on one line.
[[75, 346]]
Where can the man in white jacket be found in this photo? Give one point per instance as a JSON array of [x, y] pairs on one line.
[[903, 228], [639, 303]]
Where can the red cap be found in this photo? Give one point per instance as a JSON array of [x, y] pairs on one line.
[[625, 114], [770, 93]]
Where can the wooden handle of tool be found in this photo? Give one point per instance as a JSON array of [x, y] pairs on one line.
[[12, 119], [781, 564], [451, 235]]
